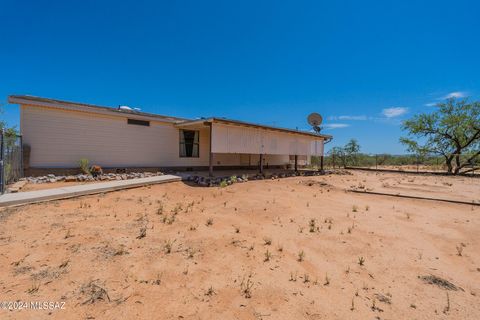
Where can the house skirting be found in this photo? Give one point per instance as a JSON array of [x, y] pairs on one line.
[[38, 172]]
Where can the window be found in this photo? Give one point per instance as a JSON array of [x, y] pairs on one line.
[[189, 145], [139, 122]]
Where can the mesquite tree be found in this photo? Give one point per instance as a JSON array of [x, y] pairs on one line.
[[452, 131], [348, 153], [10, 133]]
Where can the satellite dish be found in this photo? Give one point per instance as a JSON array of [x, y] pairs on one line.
[[315, 120]]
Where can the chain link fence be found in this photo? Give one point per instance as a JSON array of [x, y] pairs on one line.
[[11, 159], [404, 163]]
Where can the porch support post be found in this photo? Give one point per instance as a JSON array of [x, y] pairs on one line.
[[210, 159], [321, 163], [296, 163], [2, 163], [261, 163]]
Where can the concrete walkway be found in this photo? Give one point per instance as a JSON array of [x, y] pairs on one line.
[[11, 199]]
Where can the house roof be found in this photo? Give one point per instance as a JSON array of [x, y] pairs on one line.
[[255, 125], [47, 102], [69, 105]]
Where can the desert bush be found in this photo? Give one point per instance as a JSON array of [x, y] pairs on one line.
[[84, 165], [223, 184]]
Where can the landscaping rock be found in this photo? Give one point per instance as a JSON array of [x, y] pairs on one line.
[[50, 178]]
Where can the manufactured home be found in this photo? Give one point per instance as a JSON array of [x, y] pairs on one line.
[[56, 134]]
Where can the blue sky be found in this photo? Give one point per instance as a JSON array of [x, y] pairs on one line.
[[364, 65]]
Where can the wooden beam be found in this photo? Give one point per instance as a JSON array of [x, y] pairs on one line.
[[321, 163], [296, 163]]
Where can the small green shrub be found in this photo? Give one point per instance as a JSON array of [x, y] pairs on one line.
[[223, 184], [84, 165]]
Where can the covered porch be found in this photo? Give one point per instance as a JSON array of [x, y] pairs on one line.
[[256, 147]]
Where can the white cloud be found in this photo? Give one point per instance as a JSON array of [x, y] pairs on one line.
[[354, 118], [456, 94], [335, 125], [358, 118], [394, 112]]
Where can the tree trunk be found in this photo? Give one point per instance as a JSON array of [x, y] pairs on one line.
[[448, 162], [469, 161], [457, 164]]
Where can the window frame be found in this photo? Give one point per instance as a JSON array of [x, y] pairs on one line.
[[180, 143], [137, 122]]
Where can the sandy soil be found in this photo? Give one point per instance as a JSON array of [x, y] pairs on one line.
[[439, 187], [295, 248]]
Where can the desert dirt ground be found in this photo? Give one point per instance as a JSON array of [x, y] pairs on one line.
[[294, 248]]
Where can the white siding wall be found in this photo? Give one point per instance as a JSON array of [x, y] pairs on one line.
[[237, 139], [60, 138]]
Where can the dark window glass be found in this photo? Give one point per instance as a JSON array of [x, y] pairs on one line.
[[139, 122], [189, 143]]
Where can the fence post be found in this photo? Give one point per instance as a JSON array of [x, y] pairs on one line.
[[22, 171], [376, 166], [2, 171]]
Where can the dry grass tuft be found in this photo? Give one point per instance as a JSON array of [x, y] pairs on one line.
[[209, 222], [301, 256], [268, 256], [460, 249], [361, 261], [94, 292], [34, 287], [210, 292], [442, 283], [143, 233], [246, 286]]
